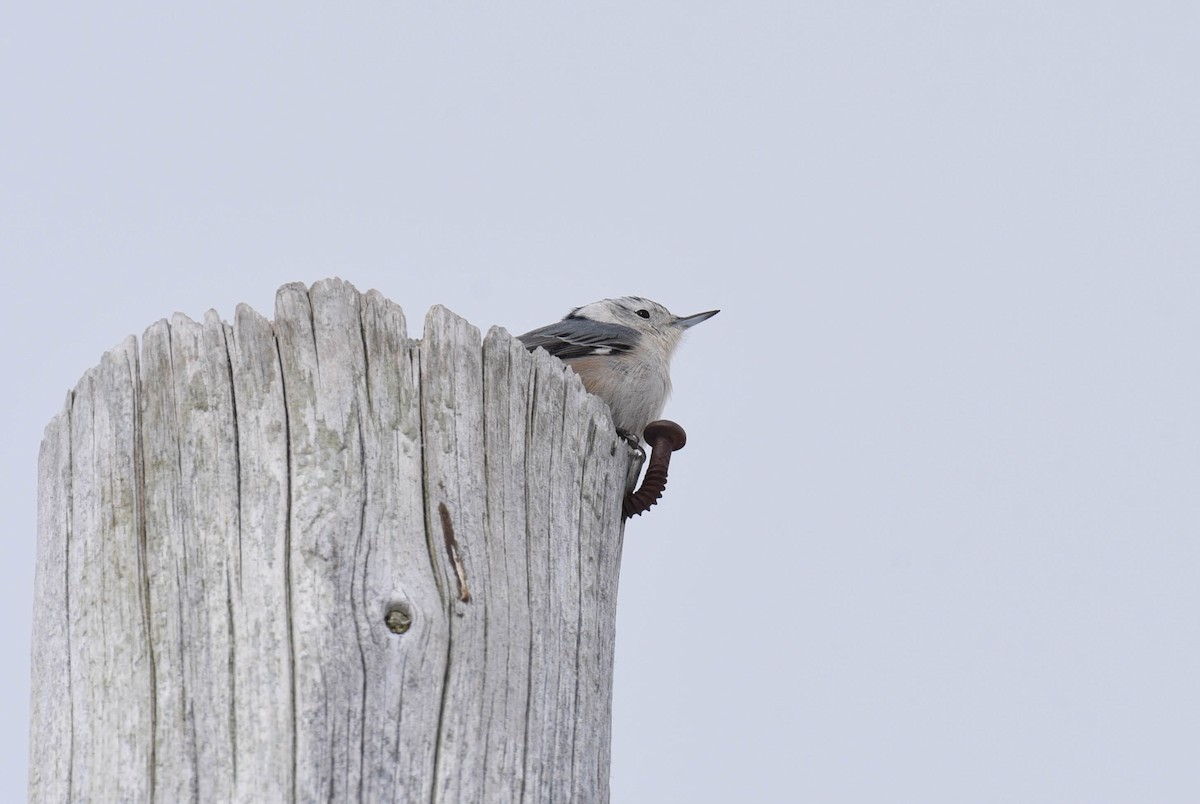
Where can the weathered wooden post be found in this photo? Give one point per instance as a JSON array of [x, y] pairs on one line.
[[314, 559]]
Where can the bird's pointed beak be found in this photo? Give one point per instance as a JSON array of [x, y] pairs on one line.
[[683, 322]]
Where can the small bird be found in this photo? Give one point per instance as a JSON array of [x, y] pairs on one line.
[[621, 349]]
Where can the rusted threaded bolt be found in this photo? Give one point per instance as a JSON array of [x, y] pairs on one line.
[[664, 437]]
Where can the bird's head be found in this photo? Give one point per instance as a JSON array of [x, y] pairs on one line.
[[649, 318]]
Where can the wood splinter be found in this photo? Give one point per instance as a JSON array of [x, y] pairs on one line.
[[464, 594]]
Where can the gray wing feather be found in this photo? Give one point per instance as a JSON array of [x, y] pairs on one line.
[[579, 337]]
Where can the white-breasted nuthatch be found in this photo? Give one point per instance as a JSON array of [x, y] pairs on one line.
[[621, 349]]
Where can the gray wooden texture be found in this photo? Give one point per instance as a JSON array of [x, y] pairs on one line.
[[313, 559]]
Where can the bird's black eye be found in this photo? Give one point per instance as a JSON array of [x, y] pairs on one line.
[[644, 313]]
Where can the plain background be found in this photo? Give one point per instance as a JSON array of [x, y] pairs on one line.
[[935, 534]]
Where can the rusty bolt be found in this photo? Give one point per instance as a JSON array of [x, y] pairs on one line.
[[664, 437]]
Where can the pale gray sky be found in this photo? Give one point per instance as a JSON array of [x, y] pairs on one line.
[[935, 537]]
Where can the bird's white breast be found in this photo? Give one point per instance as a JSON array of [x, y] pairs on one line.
[[635, 391]]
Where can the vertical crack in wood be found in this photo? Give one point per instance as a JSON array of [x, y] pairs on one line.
[[434, 565], [287, 558], [460, 571], [182, 599], [67, 591], [579, 531], [364, 618], [434, 568], [237, 448], [231, 624], [355, 612], [139, 507], [529, 431], [362, 336]]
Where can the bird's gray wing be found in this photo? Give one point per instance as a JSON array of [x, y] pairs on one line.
[[579, 337]]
